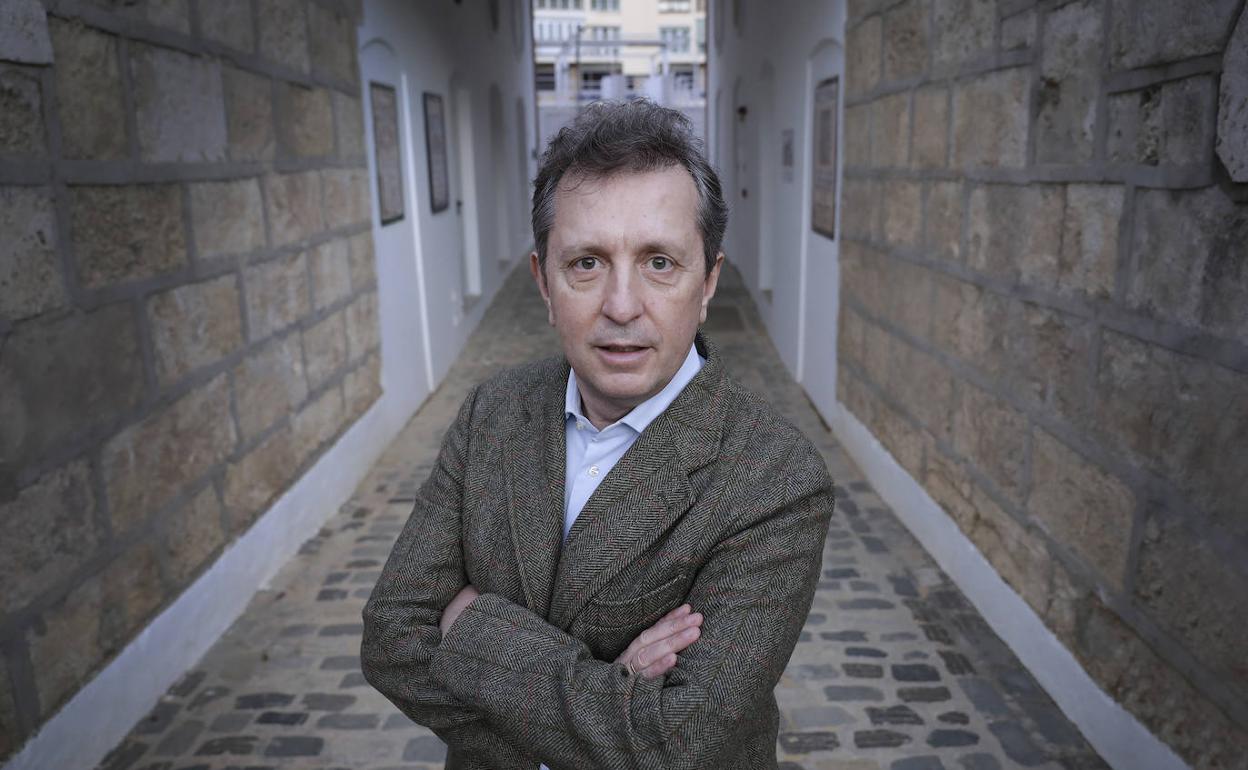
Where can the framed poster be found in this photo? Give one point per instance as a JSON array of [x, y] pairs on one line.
[[386, 148], [823, 180], [435, 147]]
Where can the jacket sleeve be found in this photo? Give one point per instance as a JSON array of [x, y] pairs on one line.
[[424, 572], [542, 688]]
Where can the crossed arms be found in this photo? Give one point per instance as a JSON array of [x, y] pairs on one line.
[[510, 689]]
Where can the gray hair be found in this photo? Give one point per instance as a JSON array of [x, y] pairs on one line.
[[629, 136]]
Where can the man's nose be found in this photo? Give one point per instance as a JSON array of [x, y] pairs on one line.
[[623, 302]]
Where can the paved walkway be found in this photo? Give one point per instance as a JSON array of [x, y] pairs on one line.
[[895, 670]]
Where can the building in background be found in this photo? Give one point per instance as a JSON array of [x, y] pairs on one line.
[[617, 49]]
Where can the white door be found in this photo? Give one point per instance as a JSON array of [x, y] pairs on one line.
[[466, 205]]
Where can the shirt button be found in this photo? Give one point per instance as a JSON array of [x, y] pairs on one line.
[[593, 470], [580, 425]]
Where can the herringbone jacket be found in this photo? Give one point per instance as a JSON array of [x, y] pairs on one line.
[[720, 503]]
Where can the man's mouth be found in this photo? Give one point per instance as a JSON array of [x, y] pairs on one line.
[[622, 348]]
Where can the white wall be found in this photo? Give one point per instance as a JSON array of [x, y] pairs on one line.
[[438, 47], [769, 235]]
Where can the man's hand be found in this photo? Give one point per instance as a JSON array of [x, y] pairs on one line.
[[457, 605], [653, 653]]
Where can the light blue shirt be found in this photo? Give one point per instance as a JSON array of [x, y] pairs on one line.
[[592, 453]]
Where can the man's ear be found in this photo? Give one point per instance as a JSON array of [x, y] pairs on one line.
[[539, 277], [712, 281]]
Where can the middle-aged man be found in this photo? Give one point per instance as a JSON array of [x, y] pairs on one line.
[[612, 560]]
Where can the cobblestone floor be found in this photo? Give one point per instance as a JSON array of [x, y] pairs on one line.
[[894, 671]]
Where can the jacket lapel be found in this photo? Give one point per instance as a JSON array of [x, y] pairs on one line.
[[643, 495], [533, 462]]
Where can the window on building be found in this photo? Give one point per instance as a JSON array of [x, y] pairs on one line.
[[701, 25], [675, 6], [676, 38], [545, 77], [605, 5], [701, 6]]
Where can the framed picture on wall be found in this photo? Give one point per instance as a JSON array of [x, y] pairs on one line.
[[386, 148], [823, 180], [435, 147]]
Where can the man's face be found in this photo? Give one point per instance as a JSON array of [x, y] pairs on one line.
[[625, 282]]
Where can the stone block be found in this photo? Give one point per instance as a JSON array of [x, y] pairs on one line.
[[294, 202], [126, 232], [76, 635], [363, 262], [249, 115], [330, 266], [902, 213], [88, 88], [931, 127], [30, 272], [1014, 232], [1232, 141], [325, 348], [922, 386], [1017, 552], [1070, 80], [148, 463], [963, 31], [1051, 359], [331, 44], [949, 483], [60, 379], [863, 58], [319, 421], [192, 534], [228, 22], [1191, 260], [1019, 31], [362, 385], [349, 125], [24, 38], [227, 217], [277, 294], [972, 324], [1170, 123], [861, 206], [890, 143], [363, 328], [851, 336], [1159, 695], [1197, 595], [901, 437], [195, 325], [1155, 31], [179, 106], [1086, 509], [346, 196], [269, 385], [1088, 260], [168, 14], [53, 519], [942, 234], [990, 119], [1176, 415], [992, 436], [877, 354], [283, 28], [905, 40], [860, 276], [853, 393], [22, 131], [307, 121], [858, 135], [256, 479]]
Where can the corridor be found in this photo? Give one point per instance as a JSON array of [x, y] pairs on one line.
[[895, 670]]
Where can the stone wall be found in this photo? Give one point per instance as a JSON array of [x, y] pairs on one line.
[[1045, 319], [188, 305]]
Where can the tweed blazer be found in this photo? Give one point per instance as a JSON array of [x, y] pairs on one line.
[[720, 502]]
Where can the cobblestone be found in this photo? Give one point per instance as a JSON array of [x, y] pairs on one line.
[[894, 671]]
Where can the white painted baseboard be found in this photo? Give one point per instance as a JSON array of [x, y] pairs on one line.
[[1117, 736], [103, 712]]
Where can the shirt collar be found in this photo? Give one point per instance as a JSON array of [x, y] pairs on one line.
[[644, 413]]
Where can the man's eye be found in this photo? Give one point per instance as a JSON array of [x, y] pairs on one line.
[[660, 263], [587, 263]]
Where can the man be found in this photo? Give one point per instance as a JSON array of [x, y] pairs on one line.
[[614, 556]]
